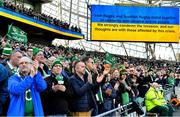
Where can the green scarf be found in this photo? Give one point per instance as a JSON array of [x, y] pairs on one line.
[[125, 96], [60, 80], [14, 70], [1, 3]]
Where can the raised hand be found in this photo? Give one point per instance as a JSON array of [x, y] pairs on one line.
[[90, 78], [36, 64], [32, 72]]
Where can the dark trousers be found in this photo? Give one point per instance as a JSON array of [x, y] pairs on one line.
[[166, 110], [5, 107]]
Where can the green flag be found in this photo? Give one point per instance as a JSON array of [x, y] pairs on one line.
[[99, 96], [110, 59], [96, 60], [16, 34], [1, 3]]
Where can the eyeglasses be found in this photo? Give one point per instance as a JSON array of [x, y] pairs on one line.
[[58, 65]]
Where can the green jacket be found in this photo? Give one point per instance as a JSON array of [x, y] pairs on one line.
[[154, 98]]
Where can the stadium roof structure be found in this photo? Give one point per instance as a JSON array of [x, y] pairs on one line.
[[77, 12]]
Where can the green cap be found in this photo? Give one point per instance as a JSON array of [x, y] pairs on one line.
[[123, 72], [122, 67], [7, 50], [36, 51], [56, 61], [75, 58]]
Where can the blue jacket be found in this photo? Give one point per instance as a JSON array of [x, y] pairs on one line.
[[3, 87], [83, 91], [108, 99], [17, 88]]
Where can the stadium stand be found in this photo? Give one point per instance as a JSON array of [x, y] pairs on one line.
[[38, 79]]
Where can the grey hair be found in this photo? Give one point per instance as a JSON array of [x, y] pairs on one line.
[[27, 58]]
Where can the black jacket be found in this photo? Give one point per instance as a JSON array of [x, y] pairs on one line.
[[83, 91], [55, 103]]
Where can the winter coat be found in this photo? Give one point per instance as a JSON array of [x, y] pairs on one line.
[[83, 91], [17, 88], [55, 103]]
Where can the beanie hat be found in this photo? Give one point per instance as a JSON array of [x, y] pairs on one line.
[[122, 67], [56, 61], [7, 50], [36, 51]]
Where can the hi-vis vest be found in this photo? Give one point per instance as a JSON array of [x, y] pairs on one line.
[[154, 98]]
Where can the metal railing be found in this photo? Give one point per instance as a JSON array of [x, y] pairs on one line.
[[118, 109], [168, 90], [125, 109]]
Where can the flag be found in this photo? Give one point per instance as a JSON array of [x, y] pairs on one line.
[[16, 34], [96, 59], [1, 3], [99, 96], [110, 59]]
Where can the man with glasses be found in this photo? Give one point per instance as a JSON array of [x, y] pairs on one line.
[[24, 88], [55, 98]]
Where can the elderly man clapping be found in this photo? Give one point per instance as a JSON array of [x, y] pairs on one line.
[[24, 88]]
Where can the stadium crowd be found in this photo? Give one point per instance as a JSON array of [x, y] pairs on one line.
[[19, 8], [62, 81]]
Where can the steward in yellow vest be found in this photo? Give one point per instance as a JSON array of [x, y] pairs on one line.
[[155, 101]]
